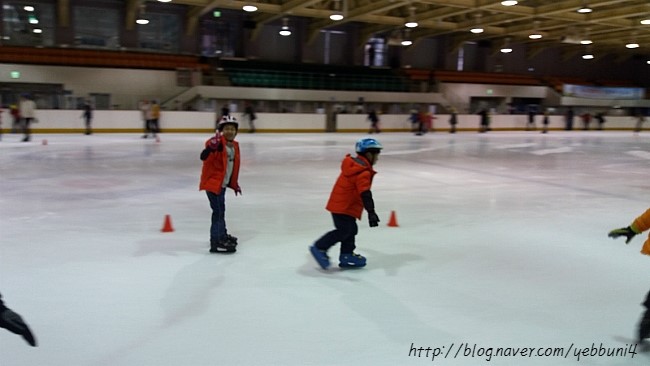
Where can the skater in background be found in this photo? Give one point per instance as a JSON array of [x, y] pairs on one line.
[[639, 225], [154, 121], [414, 118], [15, 115], [485, 120], [145, 110], [374, 122], [586, 120], [600, 118], [350, 195], [27, 110], [453, 120], [545, 122], [249, 113], [531, 120], [15, 324], [568, 119], [220, 170], [87, 115], [640, 118]]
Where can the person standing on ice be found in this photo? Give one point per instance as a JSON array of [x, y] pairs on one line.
[[350, 195], [220, 170], [640, 224]]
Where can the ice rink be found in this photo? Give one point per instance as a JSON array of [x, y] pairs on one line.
[[501, 246]]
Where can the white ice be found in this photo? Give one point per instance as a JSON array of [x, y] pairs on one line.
[[502, 242]]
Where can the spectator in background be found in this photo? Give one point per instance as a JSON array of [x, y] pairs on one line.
[[531, 120], [27, 110], [485, 120]]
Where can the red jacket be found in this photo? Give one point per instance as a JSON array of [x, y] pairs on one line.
[[355, 178], [214, 169], [641, 224]]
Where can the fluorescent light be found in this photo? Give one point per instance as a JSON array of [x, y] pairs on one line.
[[37, 30], [645, 21], [142, 21], [33, 21], [476, 30], [506, 50], [336, 17], [535, 36], [28, 8], [164, 1], [249, 8], [411, 24], [285, 31], [407, 42], [587, 56], [509, 2], [586, 41], [585, 10], [632, 45]]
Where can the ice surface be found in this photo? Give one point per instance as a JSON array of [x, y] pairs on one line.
[[502, 243]]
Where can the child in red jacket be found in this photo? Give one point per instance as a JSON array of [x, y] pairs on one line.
[[640, 224], [220, 171], [350, 195]]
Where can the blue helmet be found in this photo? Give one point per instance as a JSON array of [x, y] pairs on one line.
[[365, 144]]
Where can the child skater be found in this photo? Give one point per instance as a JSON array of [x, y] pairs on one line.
[[220, 171], [15, 324], [640, 224], [350, 195]]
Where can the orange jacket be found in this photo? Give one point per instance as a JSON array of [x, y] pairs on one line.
[[214, 169], [641, 224], [355, 178]]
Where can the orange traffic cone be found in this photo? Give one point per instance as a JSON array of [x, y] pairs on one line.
[[167, 226], [393, 220]]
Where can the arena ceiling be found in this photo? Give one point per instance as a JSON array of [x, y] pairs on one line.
[[611, 25]]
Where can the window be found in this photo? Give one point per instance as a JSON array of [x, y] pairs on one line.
[[162, 32], [28, 23], [96, 27]]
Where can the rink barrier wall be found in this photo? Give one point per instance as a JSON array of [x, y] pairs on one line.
[[120, 121]]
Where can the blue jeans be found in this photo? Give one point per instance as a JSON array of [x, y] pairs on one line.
[[218, 204], [345, 232]]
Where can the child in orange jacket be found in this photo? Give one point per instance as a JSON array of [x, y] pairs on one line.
[[640, 224], [220, 170], [350, 195]]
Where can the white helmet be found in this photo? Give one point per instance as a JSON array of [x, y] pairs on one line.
[[226, 120]]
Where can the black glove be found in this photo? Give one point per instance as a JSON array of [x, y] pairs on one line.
[[15, 324], [624, 231], [373, 219]]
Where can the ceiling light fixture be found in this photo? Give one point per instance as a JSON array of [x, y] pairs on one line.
[[509, 2], [411, 23], [588, 56], [584, 9], [477, 29], [285, 31], [406, 41], [249, 8], [645, 21], [632, 45], [164, 1], [337, 14], [28, 8], [535, 34], [142, 21], [586, 39], [506, 46]]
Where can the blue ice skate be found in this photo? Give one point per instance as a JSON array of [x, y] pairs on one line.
[[352, 260], [320, 256]]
